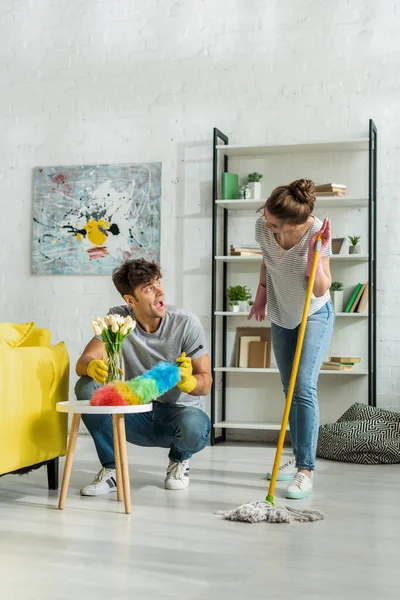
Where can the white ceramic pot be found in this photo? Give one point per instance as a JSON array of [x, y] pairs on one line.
[[355, 249], [234, 307], [243, 306], [255, 190], [337, 301]]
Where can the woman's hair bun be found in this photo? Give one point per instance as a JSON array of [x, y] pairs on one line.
[[303, 190]]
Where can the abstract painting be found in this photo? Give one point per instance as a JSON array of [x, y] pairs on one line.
[[88, 219]]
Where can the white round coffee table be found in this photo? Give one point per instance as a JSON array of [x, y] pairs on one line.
[[82, 407]]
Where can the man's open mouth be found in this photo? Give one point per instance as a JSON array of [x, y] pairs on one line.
[[159, 304]]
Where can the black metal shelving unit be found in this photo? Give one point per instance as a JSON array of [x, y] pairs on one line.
[[220, 226], [372, 244]]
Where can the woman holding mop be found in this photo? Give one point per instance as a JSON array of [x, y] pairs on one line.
[[287, 231]]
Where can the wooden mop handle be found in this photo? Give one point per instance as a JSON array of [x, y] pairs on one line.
[[295, 368]]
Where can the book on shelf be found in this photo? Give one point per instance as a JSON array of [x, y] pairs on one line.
[[363, 301], [340, 363], [345, 360], [353, 297], [331, 366], [257, 355], [330, 188], [230, 186], [244, 349], [358, 299], [245, 250], [329, 194]]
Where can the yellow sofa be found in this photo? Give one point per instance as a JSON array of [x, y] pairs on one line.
[[34, 376]]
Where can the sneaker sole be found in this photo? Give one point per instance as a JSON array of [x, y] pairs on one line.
[[176, 485], [82, 493], [282, 477], [298, 495]]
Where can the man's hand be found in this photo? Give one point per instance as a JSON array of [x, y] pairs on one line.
[[98, 370], [188, 381]]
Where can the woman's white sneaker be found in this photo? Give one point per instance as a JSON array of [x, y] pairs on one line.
[[301, 487], [104, 483], [177, 477], [286, 472]]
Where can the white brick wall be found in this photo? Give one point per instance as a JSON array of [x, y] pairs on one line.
[[130, 80]]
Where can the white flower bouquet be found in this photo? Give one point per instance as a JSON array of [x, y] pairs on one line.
[[113, 329]]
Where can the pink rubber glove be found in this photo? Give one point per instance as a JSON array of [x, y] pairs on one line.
[[258, 308], [325, 232]]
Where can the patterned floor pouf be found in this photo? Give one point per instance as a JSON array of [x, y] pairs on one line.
[[364, 435]]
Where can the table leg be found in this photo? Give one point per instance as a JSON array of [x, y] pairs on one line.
[[69, 459], [124, 462], [120, 483]]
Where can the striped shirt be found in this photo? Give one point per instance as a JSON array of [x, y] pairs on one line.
[[286, 276]]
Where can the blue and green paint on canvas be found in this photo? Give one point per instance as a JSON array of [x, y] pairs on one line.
[[88, 219]]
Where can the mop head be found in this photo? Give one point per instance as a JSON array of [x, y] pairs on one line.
[[140, 390], [255, 512]]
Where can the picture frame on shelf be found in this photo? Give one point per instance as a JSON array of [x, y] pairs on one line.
[[258, 334], [337, 244]]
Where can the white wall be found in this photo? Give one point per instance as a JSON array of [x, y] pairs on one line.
[[129, 80]]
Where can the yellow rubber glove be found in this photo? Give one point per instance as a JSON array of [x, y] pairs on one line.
[[98, 370], [188, 381]]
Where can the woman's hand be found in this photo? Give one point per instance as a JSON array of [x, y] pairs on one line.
[[258, 308], [325, 233]]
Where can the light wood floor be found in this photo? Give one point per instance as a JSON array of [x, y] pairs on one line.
[[173, 546]]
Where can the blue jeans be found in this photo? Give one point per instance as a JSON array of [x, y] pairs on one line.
[[184, 430], [304, 413]]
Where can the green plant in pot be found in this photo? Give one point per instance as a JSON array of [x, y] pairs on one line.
[[337, 296], [355, 247], [238, 296], [253, 182]]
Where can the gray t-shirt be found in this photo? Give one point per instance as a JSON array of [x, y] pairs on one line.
[[286, 276], [179, 331]]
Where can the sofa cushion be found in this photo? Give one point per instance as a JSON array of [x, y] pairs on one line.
[[13, 335]]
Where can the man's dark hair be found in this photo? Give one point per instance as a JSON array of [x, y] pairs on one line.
[[133, 274]]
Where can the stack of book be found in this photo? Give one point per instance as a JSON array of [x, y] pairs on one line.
[[359, 299], [330, 189], [340, 363], [245, 251]]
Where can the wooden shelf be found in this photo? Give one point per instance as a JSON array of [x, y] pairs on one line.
[[322, 203], [334, 257], [360, 144], [356, 371], [247, 425]]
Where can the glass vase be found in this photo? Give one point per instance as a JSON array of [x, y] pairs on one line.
[[114, 362]]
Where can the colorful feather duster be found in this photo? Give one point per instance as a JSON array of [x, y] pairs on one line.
[[140, 390]]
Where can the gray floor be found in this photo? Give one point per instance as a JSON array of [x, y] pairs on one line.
[[173, 546]]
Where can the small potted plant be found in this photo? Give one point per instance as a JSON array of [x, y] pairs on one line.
[[254, 184], [238, 296], [337, 296], [355, 247]]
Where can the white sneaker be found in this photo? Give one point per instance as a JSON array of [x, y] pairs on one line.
[[286, 472], [301, 487], [177, 477], [104, 483]]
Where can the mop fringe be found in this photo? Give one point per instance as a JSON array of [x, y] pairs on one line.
[[255, 512]]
